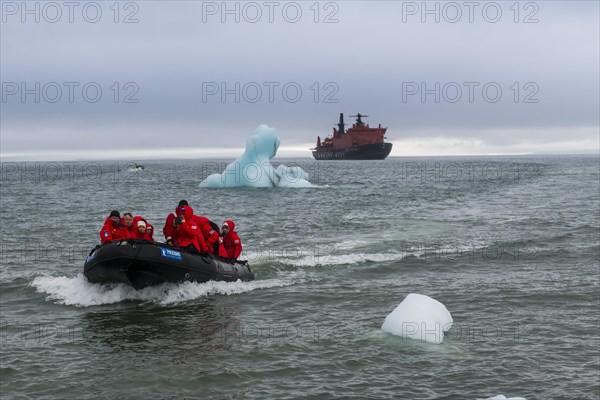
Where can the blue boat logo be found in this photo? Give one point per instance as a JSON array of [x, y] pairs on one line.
[[168, 253], [91, 257]]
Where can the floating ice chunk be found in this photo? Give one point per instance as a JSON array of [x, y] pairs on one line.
[[254, 168], [419, 317]]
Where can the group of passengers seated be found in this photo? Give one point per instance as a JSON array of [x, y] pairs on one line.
[[117, 228], [183, 229]]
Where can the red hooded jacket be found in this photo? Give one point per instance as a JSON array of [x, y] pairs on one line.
[[169, 230], [232, 242], [135, 233], [211, 236], [188, 232], [113, 231], [150, 231]]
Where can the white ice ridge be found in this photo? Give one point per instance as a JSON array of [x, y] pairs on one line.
[[419, 317], [503, 397], [254, 168]]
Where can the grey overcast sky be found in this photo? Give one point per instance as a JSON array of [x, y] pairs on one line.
[[163, 79]]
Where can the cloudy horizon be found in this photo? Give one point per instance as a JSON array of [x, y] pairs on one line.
[[156, 80]]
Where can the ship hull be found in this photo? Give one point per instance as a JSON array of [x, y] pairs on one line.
[[377, 151]]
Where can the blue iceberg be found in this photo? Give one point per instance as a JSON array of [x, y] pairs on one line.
[[254, 169]]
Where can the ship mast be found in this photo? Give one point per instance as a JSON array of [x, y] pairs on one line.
[[358, 117]]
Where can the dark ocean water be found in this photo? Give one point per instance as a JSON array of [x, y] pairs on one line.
[[510, 245]]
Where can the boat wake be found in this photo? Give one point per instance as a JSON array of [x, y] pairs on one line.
[[349, 252], [333, 259], [77, 291]]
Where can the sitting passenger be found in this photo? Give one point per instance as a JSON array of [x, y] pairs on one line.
[[169, 230], [231, 240], [140, 232], [113, 229], [127, 220], [150, 231], [188, 232], [210, 233]]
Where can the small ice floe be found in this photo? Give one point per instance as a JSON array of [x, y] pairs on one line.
[[419, 317]]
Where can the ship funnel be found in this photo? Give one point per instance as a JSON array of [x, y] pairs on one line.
[[341, 124]]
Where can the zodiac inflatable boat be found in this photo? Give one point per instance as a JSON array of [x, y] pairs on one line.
[[141, 264]]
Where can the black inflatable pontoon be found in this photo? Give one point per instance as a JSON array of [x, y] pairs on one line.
[[140, 264]]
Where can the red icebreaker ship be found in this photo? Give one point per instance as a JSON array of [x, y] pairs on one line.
[[357, 143]]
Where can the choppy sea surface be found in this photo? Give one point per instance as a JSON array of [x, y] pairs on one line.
[[510, 245]]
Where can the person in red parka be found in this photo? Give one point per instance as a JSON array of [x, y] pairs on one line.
[[169, 230], [150, 231], [113, 229], [209, 232], [127, 220], [188, 232], [140, 232], [231, 240]]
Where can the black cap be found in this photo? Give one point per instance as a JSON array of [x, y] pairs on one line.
[[115, 213], [183, 203]]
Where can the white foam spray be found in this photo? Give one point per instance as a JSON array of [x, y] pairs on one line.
[[77, 291]]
